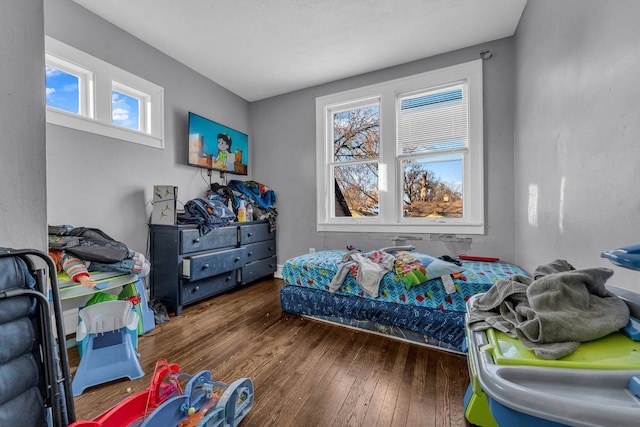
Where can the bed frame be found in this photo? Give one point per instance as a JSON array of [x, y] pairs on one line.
[[425, 314]]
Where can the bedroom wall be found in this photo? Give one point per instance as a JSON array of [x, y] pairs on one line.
[[106, 183], [577, 129], [23, 202], [284, 126]]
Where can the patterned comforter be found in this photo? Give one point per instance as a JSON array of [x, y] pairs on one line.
[[316, 270]]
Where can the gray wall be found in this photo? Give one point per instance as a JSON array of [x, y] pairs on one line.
[[572, 66], [577, 132], [23, 203], [284, 128], [106, 183]]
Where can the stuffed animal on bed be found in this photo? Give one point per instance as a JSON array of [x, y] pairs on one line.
[[414, 268], [409, 269]]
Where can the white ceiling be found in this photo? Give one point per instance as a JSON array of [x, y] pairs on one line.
[[262, 48]]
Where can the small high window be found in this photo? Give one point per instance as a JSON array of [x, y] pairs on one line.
[[88, 94], [63, 90], [126, 109]]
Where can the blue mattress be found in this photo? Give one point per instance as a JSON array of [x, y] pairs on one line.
[[441, 328], [427, 309]]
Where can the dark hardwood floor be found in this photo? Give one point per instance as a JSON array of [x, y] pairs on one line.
[[305, 372]]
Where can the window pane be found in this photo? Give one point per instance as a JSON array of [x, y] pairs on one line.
[[356, 189], [433, 121], [356, 134], [433, 187], [125, 110], [62, 90]]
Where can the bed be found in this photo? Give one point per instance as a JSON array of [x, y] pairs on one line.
[[430, 313]]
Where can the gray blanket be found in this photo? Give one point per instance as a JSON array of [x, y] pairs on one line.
[[555, 311]]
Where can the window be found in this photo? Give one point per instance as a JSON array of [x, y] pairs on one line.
[[63, 90], [432, 140], [404, 155], [356, 155], [88, 94], [127, 105]]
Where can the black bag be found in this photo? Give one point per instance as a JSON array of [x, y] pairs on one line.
[[226, 193], [96, 246]]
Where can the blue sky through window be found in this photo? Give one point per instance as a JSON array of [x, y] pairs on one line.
[[62, 90], [447, 168], [125, 110], [450, 172]]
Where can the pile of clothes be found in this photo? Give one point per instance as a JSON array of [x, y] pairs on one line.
[[553, 312], [259, 196], [221, 203], [207, 214], [411, 268]]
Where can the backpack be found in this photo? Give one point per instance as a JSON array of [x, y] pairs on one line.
[[97, 246], [224, 193]]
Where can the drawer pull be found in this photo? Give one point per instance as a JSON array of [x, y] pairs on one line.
[[270, 265], [195, 289], [228, 278], [236, 259], [196, 240], [249, 234], [205, 266], [270, 248], [250, 253]]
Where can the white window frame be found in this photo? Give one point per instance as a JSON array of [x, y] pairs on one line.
[[100, 78], [352, 105], [144, 104], [390, 218], [85, 84]]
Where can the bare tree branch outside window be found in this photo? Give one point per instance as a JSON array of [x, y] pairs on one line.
[[356, 149]]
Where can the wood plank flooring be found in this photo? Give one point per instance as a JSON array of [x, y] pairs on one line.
[[305, 372]]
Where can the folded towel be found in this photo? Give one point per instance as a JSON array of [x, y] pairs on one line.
[[554, 312]]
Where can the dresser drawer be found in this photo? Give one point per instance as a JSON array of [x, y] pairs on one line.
[[255, 233], [188, 267], [210, 264], [193, 291], [192, 241], [260, 250], [258, 269]]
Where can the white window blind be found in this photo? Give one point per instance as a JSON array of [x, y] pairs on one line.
[[433, 121]]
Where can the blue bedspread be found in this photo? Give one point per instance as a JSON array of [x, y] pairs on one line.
[[316, 271], [426, 309]]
